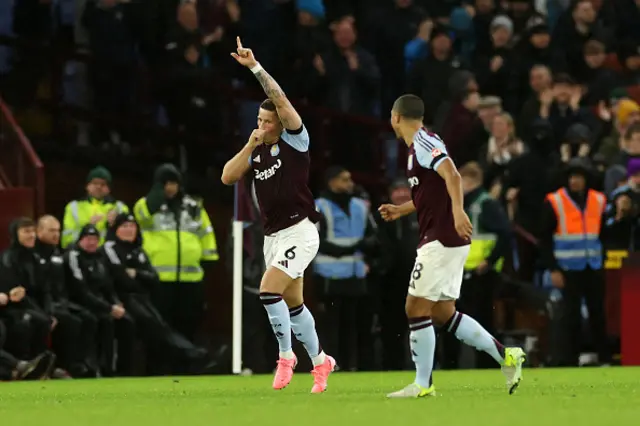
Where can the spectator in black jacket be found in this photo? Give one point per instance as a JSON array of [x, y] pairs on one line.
[[112, 29], [597, 80], [133, 277], [26, 315], [347, 76], [428, 77], [79, 351], [495, 68], [25, 267], [561, 106], [91, 286], [578, 25], [539, 82]]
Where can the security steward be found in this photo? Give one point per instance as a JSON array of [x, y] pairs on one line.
[[51, 273], [91, 286], [179, 239], [98, 208], [571, 250], [340, 271], [134, 276], [489, 246]]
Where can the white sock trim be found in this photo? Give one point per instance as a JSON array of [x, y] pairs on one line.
[[287, 354], [319, 359]]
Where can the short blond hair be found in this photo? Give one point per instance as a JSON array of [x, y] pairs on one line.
[[472, 170]]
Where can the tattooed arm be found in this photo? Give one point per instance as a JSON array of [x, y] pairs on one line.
[[288, 115]]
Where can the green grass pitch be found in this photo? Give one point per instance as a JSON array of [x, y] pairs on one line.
[[546, 397]]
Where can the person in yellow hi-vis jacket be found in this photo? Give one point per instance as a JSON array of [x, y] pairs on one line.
[[98, 208], [178, 237]]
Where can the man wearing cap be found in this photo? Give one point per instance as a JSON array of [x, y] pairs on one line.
[[571, 249], [91, 286], [133, 277], [97, 208], [178, 238]]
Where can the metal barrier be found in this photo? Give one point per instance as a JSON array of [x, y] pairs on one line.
[[20, 165]]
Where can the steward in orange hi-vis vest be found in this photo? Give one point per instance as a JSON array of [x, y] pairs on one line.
[[576, 239]]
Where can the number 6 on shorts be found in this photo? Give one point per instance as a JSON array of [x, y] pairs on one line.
[[290, 253]]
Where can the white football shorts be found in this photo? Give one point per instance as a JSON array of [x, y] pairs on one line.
[[292, 249], [438, 272]]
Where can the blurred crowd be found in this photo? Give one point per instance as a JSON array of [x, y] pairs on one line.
[[530, 95]]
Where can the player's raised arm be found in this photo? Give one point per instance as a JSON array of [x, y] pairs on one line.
[[235, 168], [448, 171], [288, 115]]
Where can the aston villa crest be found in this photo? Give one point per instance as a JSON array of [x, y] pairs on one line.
[[275, 150]]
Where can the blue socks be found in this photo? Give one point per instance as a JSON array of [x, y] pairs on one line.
[[304, 328], [422, 340], [278, 313], [467, 330]]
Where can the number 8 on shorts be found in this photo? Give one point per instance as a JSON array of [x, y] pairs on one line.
[[415, 274]]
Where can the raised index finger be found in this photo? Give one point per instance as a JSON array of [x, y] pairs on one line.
[[239, 42]]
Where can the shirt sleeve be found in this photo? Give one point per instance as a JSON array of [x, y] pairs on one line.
[[430, 150], [297, 139]]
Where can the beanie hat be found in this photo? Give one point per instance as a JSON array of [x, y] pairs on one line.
[[502, 21], [577, 134], [626, 107], [539, 28], [333, 172], [123, 218], [99, 173], [633, 167], [618, 93], [88, 230], [579, 166], [312, 7]]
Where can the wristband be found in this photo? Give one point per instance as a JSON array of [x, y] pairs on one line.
[[257, 68]]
